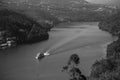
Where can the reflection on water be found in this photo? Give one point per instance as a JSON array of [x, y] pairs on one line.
[[84, 39]]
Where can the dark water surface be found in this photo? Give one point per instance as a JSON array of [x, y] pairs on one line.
[[85, 39]]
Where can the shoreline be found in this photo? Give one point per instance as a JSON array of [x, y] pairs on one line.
[[115, 38]]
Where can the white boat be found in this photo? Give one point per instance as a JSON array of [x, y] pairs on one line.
[[42, 55], [46, 53]]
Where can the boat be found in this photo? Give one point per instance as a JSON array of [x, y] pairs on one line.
[[46, 53], [42, 55]]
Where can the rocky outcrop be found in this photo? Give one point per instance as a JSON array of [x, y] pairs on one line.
[[21, 27]]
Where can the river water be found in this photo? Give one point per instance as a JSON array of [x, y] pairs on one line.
[[84, 39]]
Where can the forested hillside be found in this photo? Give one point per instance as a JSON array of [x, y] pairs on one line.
[[62, 10], [109, 68], [18, 28]]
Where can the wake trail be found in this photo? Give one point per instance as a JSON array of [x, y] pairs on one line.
[[73, 48], [63, 42]]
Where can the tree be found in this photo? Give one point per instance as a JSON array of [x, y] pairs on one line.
[[72, 68], [74, 59]]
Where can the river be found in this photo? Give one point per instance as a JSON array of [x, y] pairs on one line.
[[84, 39]]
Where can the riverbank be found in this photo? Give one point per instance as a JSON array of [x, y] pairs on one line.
[[108, 68]]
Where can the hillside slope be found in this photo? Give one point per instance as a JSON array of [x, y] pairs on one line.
[[109, 68], [19, 28]]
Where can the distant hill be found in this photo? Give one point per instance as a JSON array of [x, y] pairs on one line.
[[64, 2], [32, 10], [77, 10], [57, 11], [48, 1]]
